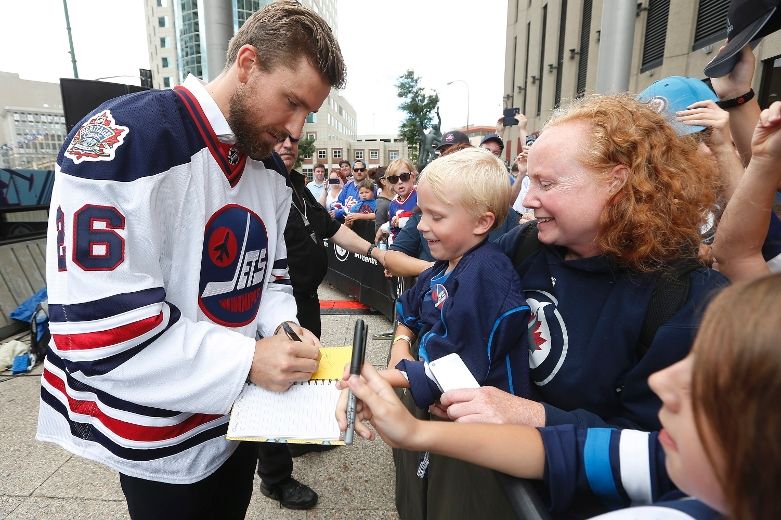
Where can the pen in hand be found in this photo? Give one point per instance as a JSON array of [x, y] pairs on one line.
[[359, 348], [290, 332]]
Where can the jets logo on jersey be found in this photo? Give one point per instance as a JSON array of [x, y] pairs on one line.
[[233, 266], [439, 295], [97, 140], [548, 339]]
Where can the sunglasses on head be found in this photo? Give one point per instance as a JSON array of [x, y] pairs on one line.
[[359, 169], [404, 177]]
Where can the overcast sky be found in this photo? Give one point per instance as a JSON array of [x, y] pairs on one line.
[[440, 40]]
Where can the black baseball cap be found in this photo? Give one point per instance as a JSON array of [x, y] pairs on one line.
[[453, 137], [493, 137], [747, 23]]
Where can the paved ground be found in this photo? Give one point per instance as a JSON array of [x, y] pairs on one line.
[[42, 481]]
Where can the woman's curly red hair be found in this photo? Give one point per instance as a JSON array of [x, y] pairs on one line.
[[655, 218]]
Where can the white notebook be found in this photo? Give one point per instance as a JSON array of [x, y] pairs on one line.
[[305, 413]]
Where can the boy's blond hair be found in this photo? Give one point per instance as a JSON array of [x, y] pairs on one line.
[[473, 178]]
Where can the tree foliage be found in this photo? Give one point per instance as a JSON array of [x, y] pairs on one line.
[[306, 148], [419, 108]]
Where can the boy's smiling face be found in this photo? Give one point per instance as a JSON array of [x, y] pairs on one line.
[[449, 228]]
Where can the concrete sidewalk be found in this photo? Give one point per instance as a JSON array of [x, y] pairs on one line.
[[42, 481]]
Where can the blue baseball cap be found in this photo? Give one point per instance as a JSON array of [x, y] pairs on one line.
[[674, 93]]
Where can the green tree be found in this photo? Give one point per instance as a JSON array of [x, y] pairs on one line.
[[306, 148], [419, 108]]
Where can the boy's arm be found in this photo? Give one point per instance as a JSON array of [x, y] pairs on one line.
[[401, 346], [394, 377]]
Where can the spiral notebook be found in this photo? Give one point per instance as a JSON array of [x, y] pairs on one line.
[[304, 414]]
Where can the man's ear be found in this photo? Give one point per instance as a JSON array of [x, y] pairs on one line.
[[245, 61], [617, 178], [484, 223]]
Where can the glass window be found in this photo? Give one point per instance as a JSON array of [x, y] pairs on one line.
[[337, 153], [166, 82], [393, 155], [374, 154], [160, 3], [311, 136], [164, 62], [322, 154], [311, 118], [162, 21], [164, 42], [358, 154]]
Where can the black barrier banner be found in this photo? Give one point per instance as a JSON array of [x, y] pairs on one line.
[[360, 276]]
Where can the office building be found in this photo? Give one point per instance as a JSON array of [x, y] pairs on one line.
[[32, 123], [191, 37], [552, 49]]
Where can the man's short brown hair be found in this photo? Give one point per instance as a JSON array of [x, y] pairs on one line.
[[319, 165], [283, 31]]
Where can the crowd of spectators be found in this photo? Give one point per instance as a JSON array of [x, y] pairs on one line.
[[634, 213]]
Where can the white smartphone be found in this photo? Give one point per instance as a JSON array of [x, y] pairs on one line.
[[451, 373]]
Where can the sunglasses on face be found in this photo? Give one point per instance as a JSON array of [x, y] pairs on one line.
[[359, 169], [404, 177]]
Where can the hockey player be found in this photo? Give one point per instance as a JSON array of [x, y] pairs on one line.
[[166, 258]]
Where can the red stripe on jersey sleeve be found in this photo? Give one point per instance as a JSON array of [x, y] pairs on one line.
[[103, 338], [124, 429]]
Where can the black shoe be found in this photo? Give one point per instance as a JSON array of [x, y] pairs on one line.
[[291, 494], [296, 450]]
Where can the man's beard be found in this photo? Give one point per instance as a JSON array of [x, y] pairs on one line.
[[249, 136]]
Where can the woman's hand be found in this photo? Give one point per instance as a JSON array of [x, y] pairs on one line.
[[491, 405]]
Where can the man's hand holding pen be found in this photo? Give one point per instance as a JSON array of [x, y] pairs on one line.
[[280, 360]]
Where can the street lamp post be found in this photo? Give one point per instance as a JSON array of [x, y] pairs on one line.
[[467, 99]]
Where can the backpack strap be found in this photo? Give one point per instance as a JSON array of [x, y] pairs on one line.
[[669, 296], [528, 244]]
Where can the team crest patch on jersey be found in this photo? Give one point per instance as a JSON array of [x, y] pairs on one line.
[[234, 261], [97, 140], [439, 295], [548, 339]]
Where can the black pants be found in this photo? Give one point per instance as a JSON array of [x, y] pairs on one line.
[[308, 312], [223, 494], [275, 464]]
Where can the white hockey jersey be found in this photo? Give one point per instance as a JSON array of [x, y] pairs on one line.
[[165, 256]]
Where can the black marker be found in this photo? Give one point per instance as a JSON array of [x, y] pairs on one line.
[[289, 331], [356, 362]]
